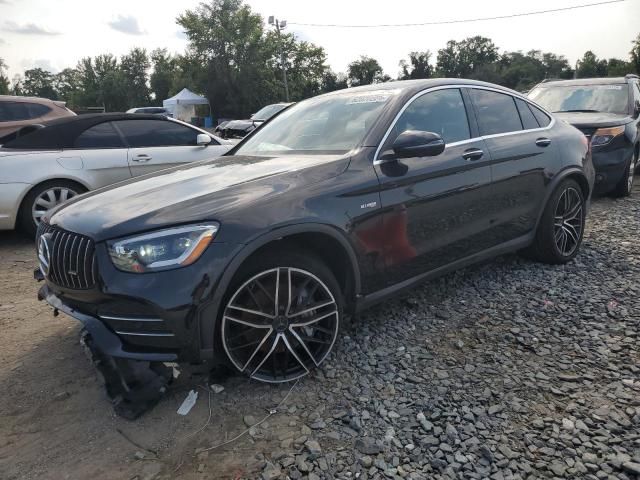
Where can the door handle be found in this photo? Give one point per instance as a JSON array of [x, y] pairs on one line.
[[543, 142], [472, 154], [142, 158]]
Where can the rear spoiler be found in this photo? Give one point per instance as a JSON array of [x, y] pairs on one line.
[[60, 103]]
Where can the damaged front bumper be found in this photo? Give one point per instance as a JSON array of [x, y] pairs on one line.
[[134, 381], [104, 339]]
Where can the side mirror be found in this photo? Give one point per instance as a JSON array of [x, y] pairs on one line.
[[416, 143], [203, 139]]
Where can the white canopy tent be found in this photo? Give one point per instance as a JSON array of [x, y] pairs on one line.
[[183, 104]]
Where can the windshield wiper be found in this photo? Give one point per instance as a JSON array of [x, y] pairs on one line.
[[578, 110]]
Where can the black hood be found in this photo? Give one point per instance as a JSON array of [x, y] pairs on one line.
[[593, 119], [209, 190]]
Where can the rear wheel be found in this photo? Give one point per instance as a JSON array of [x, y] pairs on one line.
[[41, 199], [282, 317], [561, 226]]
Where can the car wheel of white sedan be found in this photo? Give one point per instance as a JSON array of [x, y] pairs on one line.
[[41, 199]]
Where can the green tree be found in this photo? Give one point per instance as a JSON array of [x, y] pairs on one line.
[[67, 86], [469, 58], [226, 40], [556, 66], [164, 72], [364, 71], [332, 81], [39, 83], [418, 66], [4, 80], [89, 89], [635, 55], [16, 85], [305, 62], [590, 66], [618, 68], [134, 68]]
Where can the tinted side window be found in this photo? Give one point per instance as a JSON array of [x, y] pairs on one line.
[[528, 120], [441, 112], [497, 112], [156, 133], [543, 118], [13, 111], [102, 135], [637, 91], [36, 110]]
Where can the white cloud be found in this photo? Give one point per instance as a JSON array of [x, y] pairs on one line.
[[126, 24], [27, 29]]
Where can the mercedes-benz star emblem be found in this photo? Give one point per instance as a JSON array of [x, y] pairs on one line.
[[44, 255]]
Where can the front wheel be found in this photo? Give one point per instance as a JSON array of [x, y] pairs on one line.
[[561, 226], [625, 185], [282, 317]]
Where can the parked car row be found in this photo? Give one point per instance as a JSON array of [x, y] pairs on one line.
[[336, 203]]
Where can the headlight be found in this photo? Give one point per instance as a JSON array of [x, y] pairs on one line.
[[163, 249], [605, 135]]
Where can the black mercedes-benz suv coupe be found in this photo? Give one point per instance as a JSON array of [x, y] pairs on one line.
[[607, 111], [255, 259]]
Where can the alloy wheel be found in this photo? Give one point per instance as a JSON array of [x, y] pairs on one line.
[[568, 221], [280, 324], [48, 199]]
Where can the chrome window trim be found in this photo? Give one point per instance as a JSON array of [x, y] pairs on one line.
[[140, 334], [378, 161]]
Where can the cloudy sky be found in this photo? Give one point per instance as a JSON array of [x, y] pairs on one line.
[[56, 34]]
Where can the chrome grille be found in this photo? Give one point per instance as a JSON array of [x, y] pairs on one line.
[[72, 261]]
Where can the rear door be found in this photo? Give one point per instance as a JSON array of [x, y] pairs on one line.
[[159, 144], [435, 207], [101, 153], [523, 153]]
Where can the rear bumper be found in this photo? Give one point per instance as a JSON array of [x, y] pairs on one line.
[[104, 339]]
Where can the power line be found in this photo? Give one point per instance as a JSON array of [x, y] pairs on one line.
[[448, 22]]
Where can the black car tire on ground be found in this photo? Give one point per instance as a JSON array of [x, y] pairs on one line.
[[625, 185], [278, 348], [559, 223], [25, 217]]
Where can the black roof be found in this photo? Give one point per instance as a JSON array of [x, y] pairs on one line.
[[62, 132]]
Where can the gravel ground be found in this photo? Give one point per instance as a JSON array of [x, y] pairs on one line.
[[510, 369]]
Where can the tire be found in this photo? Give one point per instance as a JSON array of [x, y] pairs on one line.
[[559, 234], [50, 194], [625, 185], [279, 348]]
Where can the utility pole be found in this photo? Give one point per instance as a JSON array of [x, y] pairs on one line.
[[281, 24]]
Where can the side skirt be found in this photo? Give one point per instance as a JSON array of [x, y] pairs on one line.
[[508, 247]]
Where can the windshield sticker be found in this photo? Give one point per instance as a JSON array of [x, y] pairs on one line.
[[371, 97], [610, 87]]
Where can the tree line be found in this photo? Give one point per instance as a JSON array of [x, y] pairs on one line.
[[233, 59]]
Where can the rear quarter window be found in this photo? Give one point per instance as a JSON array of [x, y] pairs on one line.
[[543, 118]]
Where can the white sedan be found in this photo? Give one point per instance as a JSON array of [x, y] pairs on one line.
[[42, 166]]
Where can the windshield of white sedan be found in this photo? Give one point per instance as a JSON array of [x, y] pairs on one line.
[[328, 124], [612, 98]]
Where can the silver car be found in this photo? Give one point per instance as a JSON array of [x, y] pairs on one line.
[[42, 166]]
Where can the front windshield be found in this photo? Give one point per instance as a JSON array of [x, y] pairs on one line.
[[265, 113], [334, 123], [611, 98]]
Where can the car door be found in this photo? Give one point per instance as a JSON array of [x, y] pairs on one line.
[[523, 159], [435, 207], [101, 153], [158, 144]]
